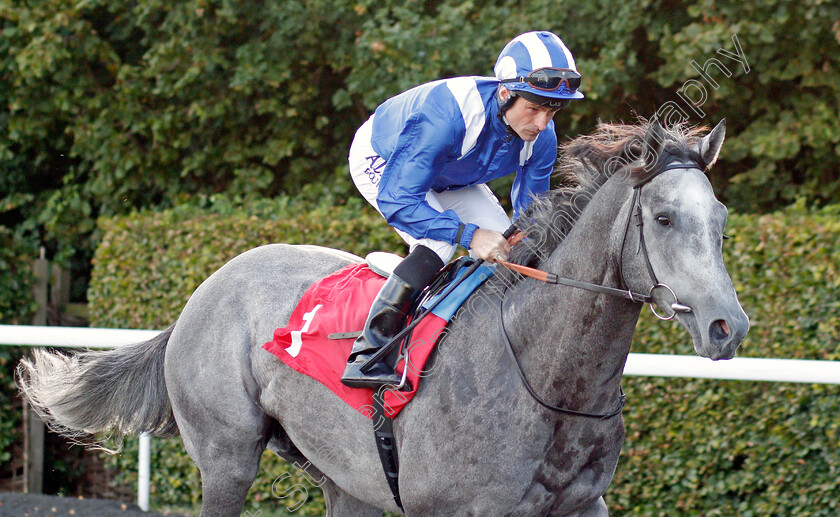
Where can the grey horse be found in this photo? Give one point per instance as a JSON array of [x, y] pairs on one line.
[[473, 441]]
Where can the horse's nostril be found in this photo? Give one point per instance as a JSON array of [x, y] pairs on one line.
[[719, 331]]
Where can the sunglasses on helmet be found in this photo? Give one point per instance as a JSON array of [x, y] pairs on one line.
[[550, 79]]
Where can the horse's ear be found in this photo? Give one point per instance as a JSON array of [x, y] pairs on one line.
[[709, 146], [654, 141]]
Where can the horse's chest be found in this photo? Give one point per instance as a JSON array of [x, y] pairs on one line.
[[513, 470], [577, 468], [572, 471]]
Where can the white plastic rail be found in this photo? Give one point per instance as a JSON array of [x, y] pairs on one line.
[[78, 337], [654, 365]]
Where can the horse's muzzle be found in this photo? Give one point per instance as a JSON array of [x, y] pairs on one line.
[[725, 336]]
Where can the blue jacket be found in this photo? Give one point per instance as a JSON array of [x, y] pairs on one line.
[[447, 135]]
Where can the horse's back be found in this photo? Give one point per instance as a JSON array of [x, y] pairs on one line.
[[265, 281], [228, 318], [251, 295], [283, 263]]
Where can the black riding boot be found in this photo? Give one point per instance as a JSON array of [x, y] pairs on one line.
[[387, 318]]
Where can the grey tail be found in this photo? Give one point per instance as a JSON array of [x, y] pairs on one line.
[[119, 392]]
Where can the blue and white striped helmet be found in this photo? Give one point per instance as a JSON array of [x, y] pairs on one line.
[[535, 51]]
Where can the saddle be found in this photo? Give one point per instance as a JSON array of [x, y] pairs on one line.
[[332, 312]]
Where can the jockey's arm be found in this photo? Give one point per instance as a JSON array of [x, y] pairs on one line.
[[422, 148]]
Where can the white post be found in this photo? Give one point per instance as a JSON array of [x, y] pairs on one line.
[[144, 475]]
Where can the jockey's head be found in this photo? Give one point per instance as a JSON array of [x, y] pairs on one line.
[[538, 67]]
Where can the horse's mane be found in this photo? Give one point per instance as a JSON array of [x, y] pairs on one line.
[[585, 164]]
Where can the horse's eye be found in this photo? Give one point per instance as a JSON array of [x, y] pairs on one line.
[[726, 237], [663, 220]]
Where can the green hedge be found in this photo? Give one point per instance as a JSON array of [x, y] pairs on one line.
[[694, 447], [148, 264], [709, 447], [16, 302], [16, 307]]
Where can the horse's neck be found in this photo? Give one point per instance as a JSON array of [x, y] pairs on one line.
[[573, 343]]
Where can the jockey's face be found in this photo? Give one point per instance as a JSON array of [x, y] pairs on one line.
[[528, 119]]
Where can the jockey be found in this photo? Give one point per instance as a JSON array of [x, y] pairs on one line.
[[423, 160]]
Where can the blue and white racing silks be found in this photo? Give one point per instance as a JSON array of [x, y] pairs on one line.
[[447, 135]]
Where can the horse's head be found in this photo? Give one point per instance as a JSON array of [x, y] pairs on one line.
[[674, 237]]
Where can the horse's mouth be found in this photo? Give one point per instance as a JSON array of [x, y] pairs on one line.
[[720, 340]]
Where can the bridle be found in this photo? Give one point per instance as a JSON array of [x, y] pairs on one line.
[[551, 278], [636, 209]]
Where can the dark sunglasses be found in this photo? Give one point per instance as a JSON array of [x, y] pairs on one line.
[[550, 79]]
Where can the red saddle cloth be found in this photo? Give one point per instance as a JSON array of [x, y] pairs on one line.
[[340, 303]]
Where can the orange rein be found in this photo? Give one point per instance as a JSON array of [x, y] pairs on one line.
[[537, 274]]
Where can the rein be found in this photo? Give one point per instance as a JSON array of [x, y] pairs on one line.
[[622, 398], [635, 209], [553, 279]]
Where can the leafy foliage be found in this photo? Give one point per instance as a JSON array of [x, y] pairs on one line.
[[10, 409], [106, 107], [133, 104], [16, 306], [16, 302]]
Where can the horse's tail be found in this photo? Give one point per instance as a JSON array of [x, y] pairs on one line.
[[119, 392]]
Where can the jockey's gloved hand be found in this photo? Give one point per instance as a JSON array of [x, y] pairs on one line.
[[489, 245]]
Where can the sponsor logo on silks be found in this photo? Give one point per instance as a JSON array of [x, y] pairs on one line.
[[374, 168]]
